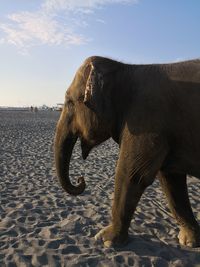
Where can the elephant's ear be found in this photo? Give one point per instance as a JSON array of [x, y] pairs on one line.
[[98, 90]]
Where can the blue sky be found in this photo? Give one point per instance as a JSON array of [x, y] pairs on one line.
[[43, 42]]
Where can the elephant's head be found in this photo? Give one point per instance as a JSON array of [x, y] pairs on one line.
[[88, 114]]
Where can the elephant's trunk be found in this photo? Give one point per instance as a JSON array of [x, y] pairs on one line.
[[63, 148]]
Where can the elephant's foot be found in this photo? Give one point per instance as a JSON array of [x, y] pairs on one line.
[[110, 238], [189, 237]]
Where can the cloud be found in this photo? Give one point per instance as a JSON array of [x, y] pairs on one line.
[[80, 5], [27, 29], [54, 23]]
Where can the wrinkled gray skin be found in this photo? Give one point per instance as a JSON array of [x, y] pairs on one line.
[[152, 112]]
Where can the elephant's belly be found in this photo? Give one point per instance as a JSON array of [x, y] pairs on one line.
[[183, 164]]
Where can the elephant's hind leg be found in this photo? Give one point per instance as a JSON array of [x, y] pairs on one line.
[[175, 187]]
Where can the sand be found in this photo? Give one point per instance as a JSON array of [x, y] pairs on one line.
[[41, 225]]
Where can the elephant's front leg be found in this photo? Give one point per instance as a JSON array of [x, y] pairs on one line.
[[126, 197], [136, 169]]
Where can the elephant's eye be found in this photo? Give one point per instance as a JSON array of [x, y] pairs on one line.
[[69, 103]]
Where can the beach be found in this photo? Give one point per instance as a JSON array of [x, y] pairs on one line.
[[41, 225]]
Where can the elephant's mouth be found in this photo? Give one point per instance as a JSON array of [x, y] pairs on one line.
[[85, 147]]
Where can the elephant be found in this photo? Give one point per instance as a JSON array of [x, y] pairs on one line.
[[152, 112]]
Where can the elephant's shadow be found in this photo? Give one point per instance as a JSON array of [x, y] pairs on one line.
[[147, 246]]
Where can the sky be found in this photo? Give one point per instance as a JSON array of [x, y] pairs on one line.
[[43, 42]]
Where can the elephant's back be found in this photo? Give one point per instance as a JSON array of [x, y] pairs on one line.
[[186, 71]]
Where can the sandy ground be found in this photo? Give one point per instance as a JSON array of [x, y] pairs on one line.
[[41, 225]]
